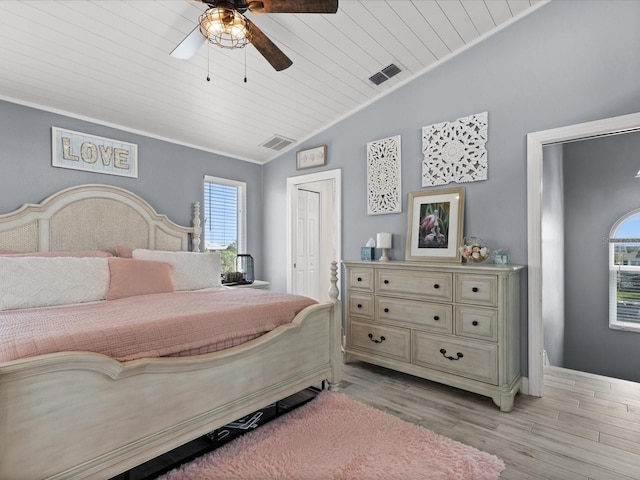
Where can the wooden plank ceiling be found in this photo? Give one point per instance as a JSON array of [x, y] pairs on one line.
[[108, 61]]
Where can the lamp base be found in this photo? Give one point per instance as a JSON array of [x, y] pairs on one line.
[[384, 257]]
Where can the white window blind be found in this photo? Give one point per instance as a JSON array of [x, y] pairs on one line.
[[224, 215]]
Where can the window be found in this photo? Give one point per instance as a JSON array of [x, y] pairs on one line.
[[624, 273], [225, 219]]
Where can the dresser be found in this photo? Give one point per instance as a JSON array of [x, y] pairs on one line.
[[451, 323]]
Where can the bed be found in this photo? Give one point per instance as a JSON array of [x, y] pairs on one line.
[[80, 414]]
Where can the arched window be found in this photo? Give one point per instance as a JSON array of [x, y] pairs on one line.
[[624, 273]]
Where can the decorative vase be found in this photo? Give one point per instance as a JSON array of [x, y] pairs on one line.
[[475, 250]]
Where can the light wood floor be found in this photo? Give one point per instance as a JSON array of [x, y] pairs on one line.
[[585, 427]]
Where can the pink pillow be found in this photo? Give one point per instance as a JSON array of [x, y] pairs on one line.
[[78, 254], [123, 251], [131, 277]]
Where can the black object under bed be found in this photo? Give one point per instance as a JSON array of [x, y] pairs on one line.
[[212, 440]]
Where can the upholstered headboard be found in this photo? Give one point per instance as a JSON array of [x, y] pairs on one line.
[[94, 217]]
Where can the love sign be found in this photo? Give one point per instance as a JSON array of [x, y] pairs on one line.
[[81, 151]]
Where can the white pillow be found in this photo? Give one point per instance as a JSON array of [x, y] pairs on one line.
[[29, 282], [189, 270]]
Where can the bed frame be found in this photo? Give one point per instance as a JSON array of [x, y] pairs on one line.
[[86, 415]]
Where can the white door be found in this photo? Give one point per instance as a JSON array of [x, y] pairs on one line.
[[307, 245], [328, 184]]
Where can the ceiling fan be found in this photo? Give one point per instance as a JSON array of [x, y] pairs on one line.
[[224, 24]]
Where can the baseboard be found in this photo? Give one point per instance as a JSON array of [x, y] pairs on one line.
[[524, 386]]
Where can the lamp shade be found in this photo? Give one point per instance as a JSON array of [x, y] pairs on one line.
[[383, 240], [225, 27]]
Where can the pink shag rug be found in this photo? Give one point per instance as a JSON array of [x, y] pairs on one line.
[[334, 437]]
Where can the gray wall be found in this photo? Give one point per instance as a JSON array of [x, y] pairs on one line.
[[599, 188], [553, 301], [170, 176], [566, 63]]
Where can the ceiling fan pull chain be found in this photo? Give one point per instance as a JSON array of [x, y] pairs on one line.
[[208, 62], [245, 65]]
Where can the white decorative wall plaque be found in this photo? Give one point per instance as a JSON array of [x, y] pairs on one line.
[[383, 176], [455, 151], [81, 151]]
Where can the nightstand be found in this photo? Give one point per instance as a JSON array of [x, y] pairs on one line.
[[261, 284]]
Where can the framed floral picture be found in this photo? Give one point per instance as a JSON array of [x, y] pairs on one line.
[[434, 225]]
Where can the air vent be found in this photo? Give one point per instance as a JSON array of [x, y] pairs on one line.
[[378, 78], [391, 70], [385, 74], [277, 143]]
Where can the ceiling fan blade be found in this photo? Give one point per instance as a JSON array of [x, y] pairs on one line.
[[190, 45], [267, 48], [293, 6]]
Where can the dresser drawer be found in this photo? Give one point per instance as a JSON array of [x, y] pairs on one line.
[[361, 279], [428, 285], [479, 323], [429, 316], [360, 304], [392, 342], [477, 289], [477, 361]]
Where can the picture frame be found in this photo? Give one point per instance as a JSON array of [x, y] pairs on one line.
[[311, 157], [434, 225]]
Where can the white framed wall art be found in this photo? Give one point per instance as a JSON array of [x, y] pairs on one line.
[[92, 153], [384, 180], [455, 151]]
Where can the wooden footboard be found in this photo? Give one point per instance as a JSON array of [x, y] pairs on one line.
[[85, 415]]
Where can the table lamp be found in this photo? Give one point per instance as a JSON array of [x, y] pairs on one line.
[[383, 242]]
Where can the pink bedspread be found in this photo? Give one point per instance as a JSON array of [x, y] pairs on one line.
[[167, 324]]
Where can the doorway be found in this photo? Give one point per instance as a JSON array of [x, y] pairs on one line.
[[313, 232], [535, 144]]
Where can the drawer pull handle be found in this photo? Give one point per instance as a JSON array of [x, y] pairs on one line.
[[386, 282], [436, 318], [359, 279], [436, 286], [474, 323], [382, 339], [386, 310], [444, 354], [475, 289], [359, 305]]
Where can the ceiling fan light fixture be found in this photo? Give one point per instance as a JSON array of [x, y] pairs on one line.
[[224, 27]]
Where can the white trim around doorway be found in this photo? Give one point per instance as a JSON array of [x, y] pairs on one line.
[[535, 143]]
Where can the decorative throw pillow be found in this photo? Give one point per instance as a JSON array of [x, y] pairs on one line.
[[28, 282], [78, 254], [124, 251], [189, 270], [131, 277]]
